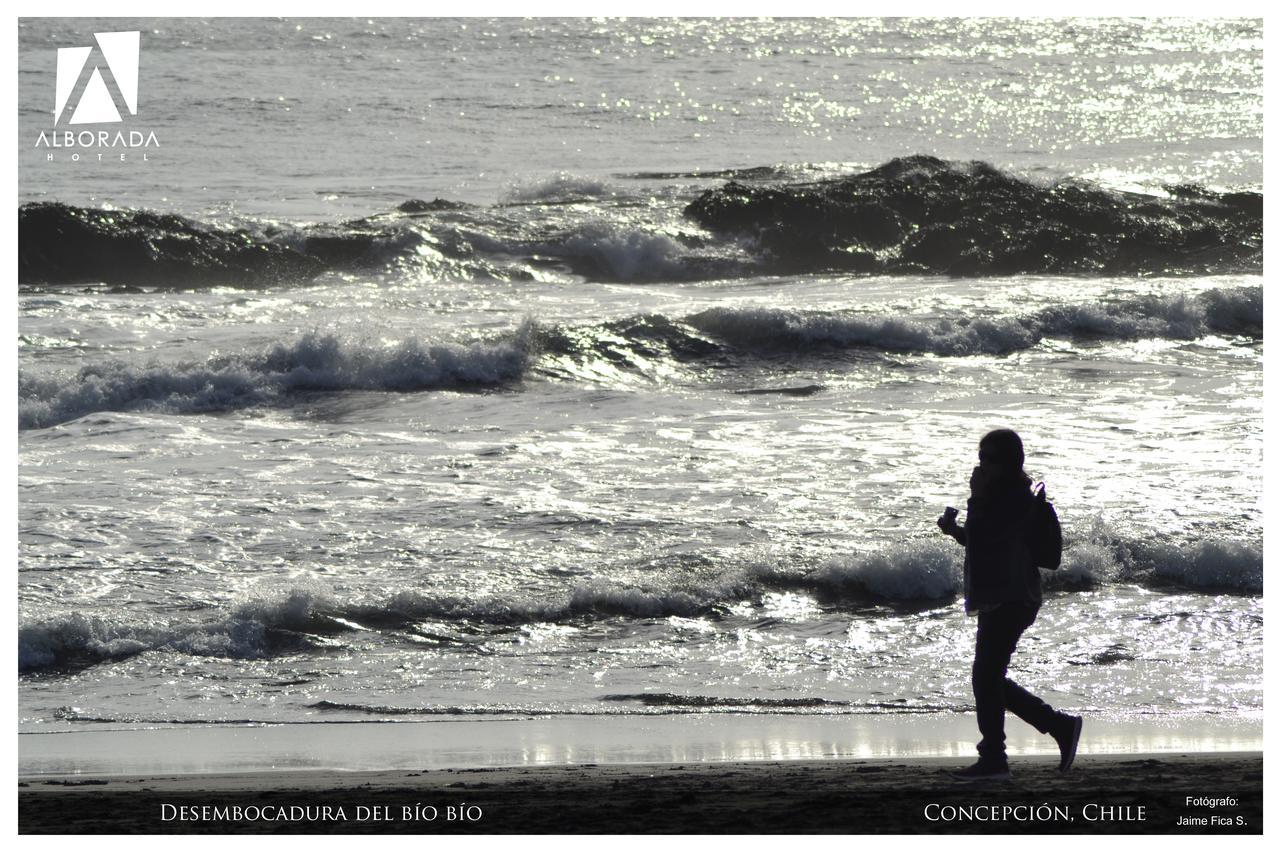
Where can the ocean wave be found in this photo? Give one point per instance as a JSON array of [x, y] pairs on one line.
[[1093, 557], [1235, 311], [424, 250], [918, 571], [314, 362], [254, 628], [921, 213], [1230, 311], [780, 330], [911, 215], [590, 599], [1233, 566], [604, 251], [648, 345], [924, 572], [720, 335], [62, 244], [1228, 565], [273, 622]]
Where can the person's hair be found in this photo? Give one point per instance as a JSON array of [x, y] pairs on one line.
[[1003, 447]]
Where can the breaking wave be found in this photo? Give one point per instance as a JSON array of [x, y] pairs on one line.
[[1228, 311], [1229, 565], [642, 345], [925, 214], [911, 215], [720, 336], [928, 573], [253, 628], [315, 362]]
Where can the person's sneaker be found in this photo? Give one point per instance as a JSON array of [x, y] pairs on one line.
[[983, 771], [1068, 738]]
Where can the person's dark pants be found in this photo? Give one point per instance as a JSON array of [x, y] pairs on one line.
[[998, 633]]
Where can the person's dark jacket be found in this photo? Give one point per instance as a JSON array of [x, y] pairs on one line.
[[997, 538]]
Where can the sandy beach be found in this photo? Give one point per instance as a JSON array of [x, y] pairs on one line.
[[1105, 794], [705, 773]]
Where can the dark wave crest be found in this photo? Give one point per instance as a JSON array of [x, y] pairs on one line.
[[62, 244], [924, 214], [911, 215]]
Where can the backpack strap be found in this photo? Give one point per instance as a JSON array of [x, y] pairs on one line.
[[1047, 530]]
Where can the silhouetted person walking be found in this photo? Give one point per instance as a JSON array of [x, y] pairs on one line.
[[1010, 531]]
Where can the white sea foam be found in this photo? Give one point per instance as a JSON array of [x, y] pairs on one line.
[[1181, 317], [327, 362], [1230, 565], [275, 620], [242, 632], [1086, 564], [790, 330], [621, 253], [314, 362], [559, 186], [911, 572], [1097, 555]]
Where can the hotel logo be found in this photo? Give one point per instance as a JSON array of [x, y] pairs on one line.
[[100, 97], [97, 85]]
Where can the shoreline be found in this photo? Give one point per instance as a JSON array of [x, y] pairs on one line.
[[460, 743], [1121, 793], [698, 773]]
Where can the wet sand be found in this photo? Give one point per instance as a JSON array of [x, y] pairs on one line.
[[1134, 793], [670, 739]]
